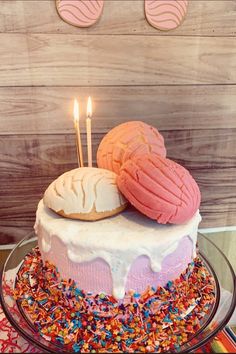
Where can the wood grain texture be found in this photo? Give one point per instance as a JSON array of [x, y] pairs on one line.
[[48, 110], [13, 233], [204, 18], [50, 155], [3, 256], [30, 163], [183, 82], [49, 59]]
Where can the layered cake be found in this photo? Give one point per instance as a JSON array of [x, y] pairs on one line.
[[117, 267], [125, 252]]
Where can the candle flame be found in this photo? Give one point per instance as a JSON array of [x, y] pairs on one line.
[[76, 111], [89, 108]]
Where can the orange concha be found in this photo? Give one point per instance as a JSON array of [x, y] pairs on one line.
[[160, 189], [126, 141]]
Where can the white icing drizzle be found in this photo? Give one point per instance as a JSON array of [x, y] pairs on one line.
[[118, 240]]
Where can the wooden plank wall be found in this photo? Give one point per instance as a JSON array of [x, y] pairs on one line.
[[183, 82]]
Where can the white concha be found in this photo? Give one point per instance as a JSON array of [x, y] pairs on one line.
[[86, 193]]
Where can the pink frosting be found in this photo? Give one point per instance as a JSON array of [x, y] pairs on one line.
[[81, 13], [165, 14], [95, 276], [127, 141], [159, 188]]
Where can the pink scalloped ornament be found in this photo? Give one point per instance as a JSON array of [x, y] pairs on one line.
[[160, 188], [80, 13], [165, 15], [126, 141]]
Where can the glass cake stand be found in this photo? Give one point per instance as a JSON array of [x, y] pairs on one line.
[[214, 322]]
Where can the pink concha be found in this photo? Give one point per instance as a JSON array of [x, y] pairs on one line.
[[127, 141], [160, 188], [81, 13], [165, 14]]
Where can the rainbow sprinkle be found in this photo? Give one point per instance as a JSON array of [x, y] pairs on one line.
[[158, 320]]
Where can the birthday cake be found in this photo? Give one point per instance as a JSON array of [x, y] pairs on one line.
[[133, 274], [112, 256]]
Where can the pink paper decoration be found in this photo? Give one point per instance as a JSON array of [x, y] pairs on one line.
[[80, 13], [165, 14]]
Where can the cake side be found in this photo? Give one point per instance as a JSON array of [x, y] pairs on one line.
[[127, 251]]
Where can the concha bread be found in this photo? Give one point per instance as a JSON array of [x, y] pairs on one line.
[[85, 193], [127, 141], [160, 188]]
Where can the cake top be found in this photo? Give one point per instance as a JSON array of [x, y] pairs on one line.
[[134, 166], [134, 235]]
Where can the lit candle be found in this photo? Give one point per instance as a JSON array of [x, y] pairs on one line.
[[88, 127], [78, 137]]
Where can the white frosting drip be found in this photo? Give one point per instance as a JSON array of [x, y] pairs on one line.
[[118, 240], [82, 189]]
